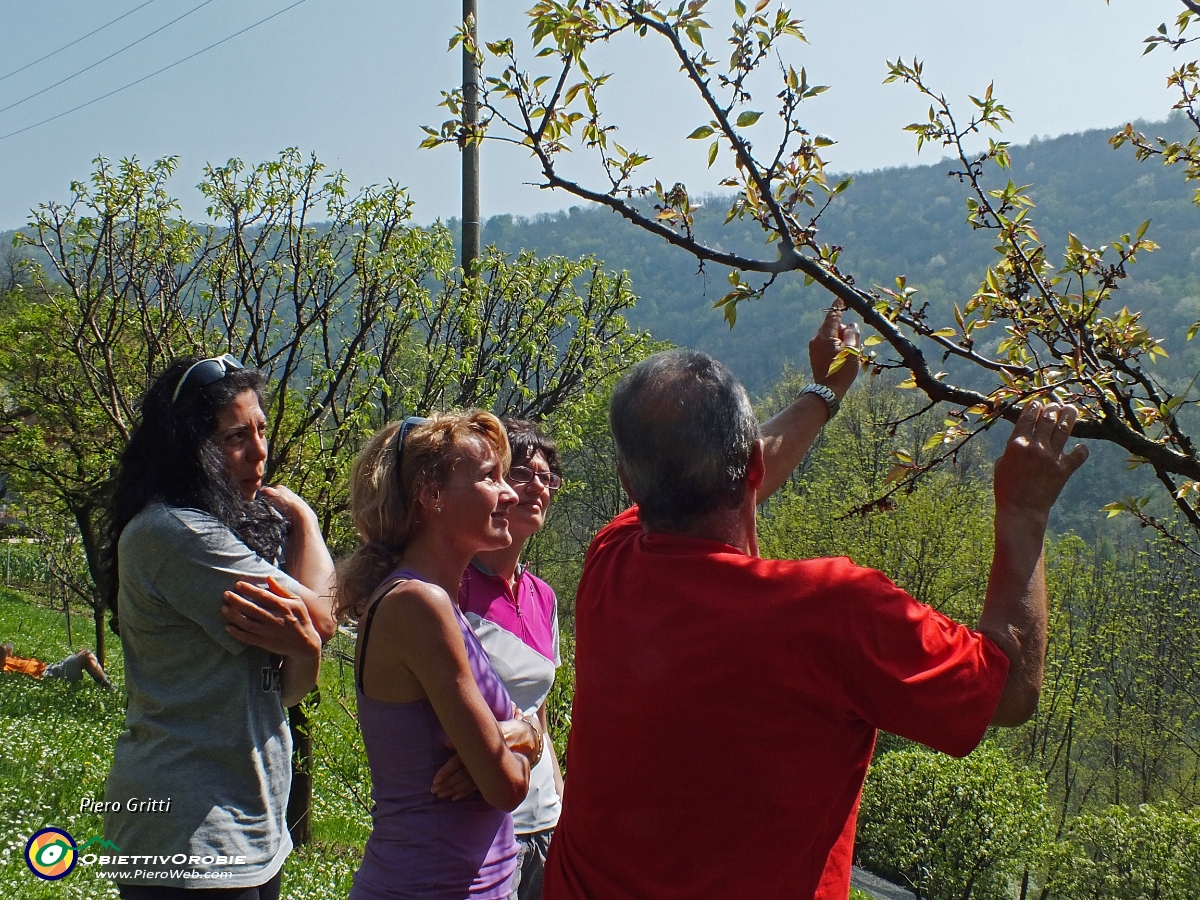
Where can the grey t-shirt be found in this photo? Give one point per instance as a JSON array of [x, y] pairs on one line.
[[203, 767]]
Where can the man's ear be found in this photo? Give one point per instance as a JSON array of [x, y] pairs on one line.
[[756, 468], [625, 483]]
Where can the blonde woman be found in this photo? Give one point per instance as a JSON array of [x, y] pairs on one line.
[[427, 495]]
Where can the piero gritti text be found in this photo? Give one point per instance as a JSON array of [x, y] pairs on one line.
[[132, 805]]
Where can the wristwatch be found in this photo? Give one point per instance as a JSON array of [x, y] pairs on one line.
[[825, 393]]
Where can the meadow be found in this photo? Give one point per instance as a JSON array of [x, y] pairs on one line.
[[58, 740]]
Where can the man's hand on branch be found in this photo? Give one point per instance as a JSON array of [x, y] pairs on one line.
[[789, 434], [1033, 470], [831, 338]]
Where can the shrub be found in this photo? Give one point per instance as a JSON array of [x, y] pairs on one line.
[[951, 828], [1148, 853]]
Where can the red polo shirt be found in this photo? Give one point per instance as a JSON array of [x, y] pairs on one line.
[[725, 713]]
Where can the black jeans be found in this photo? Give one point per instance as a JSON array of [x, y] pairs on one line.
[[268, 891]]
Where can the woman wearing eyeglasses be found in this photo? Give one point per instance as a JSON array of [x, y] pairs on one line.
[[426, 497], [515, 615], [223, 591]]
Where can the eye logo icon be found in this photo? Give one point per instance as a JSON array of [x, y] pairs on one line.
[[51, 854]]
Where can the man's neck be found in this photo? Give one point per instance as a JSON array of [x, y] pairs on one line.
[[735, 527]]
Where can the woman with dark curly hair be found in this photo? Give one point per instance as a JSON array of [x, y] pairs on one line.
[[223, 591]]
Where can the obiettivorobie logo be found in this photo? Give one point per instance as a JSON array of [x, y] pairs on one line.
[[52, 854]]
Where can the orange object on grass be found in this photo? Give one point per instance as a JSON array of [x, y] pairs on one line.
[[23, 666]]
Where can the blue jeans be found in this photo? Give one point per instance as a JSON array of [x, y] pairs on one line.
[[531, 865]]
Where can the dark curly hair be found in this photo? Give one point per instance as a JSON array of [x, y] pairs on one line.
[[173, 457], [526, 439]]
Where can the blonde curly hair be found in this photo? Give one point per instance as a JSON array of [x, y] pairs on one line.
[[386, 509]]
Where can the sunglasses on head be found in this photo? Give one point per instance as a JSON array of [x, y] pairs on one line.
[[406, 426], [206, 372]]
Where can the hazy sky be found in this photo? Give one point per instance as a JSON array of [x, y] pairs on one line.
[[351, 80]]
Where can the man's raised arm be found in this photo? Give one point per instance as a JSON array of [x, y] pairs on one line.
[[787, 436], [1029, 477]]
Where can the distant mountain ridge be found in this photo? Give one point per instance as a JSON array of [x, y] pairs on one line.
[[906, 221], [901, 221], [910, 221]]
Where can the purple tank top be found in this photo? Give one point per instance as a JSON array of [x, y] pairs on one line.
[[422, 846]]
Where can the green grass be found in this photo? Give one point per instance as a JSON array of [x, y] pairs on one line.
[[856, 894], [58, 738]]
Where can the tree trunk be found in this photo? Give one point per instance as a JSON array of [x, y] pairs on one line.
[[299, 808], [85, 522], [98, 611]]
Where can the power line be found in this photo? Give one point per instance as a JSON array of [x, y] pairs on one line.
[[107, 58], [74, 42], [152, 74]]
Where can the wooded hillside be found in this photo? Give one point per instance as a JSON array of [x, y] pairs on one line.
[[900, 222]]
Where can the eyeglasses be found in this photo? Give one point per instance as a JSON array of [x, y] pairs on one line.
[[207, 371], [524, 475], [406, 426]]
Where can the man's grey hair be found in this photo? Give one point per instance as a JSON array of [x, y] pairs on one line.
[[684, 428]]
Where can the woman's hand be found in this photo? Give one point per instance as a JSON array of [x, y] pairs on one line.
[[289, 504], [308, 560], [279, 622], [272, 618], [454, 782]]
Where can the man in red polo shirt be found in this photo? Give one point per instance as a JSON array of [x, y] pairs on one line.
[[726, 705]]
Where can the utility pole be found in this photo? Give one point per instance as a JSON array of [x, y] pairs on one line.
[[470, 150]]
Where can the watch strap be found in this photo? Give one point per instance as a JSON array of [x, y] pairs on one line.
[[825, 393]]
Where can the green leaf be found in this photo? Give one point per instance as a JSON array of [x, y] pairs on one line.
[[712, 153], [843, 355], [700, 133], [748, 118]]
